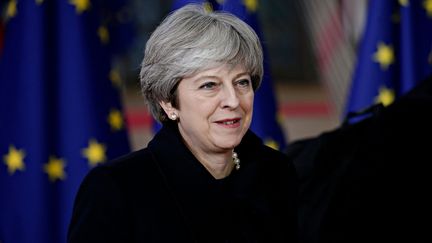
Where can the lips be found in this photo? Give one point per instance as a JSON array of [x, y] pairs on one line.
[[232, 123]]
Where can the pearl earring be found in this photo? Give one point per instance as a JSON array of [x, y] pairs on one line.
[[236, 160], [173, 116]]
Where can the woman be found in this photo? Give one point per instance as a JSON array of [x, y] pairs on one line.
[[204, 177]]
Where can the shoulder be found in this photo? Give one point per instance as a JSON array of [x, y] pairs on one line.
[[135, 164], [274, 154], [130, 161], [278, 163], [107, 192], [123, 173], [252, 144], [272, 157], [267, 158]]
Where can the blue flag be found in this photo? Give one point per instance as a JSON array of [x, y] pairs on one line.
[[265, 117], [60, 114], [395, 53]]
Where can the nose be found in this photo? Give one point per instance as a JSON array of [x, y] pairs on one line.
[[229, 99]]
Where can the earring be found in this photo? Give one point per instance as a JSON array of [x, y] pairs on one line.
[[236, 160], [173, 116]]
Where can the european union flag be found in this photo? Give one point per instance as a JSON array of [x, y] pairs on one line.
[[265, 117], [395, 53], [60, 113]]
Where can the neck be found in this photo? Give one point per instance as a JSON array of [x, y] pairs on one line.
[[219, 165]]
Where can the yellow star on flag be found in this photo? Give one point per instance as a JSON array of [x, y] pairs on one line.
[[94, 153], [55, 169], [251, 5], [80, 5], [103, 34], [14, 159], [404, 3], [427, 4], [279, 117], [208, 7], [115, 78], [396, 17], [384, 55], [39, 2], [385, 96], [11, 9], [271, 143], [115, 119]]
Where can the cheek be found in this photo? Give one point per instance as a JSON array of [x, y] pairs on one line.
[[200, 109], [206, 106], [247, 103]]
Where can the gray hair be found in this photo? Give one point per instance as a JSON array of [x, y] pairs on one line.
[[191, 40]]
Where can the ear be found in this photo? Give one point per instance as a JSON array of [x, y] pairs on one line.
[[168, 108]]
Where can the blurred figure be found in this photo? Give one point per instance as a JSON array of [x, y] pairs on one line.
[[205, 177], [369, 181]]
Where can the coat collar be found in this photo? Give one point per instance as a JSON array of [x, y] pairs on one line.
[[208, 203], [180, 165]]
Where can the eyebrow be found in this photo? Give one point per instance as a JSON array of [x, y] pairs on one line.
[[216, 77]]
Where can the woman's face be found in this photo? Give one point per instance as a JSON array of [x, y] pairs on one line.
[[215, 108]]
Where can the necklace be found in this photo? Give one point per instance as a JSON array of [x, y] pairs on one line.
[[236, 160]]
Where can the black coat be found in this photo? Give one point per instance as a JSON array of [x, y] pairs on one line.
[[369, 181], [163, 194]]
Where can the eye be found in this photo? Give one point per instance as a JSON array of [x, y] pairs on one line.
[[208, 85], [243, 83]]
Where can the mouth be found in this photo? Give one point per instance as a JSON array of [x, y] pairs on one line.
[[235, 122]]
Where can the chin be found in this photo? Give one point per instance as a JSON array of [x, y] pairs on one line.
[[229, 143]]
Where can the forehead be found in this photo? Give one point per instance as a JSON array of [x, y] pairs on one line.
[[222, 71]]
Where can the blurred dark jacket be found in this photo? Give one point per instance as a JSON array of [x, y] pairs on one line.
[[369, 181]]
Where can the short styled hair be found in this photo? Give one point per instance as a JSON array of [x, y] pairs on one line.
[[191, 40]]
